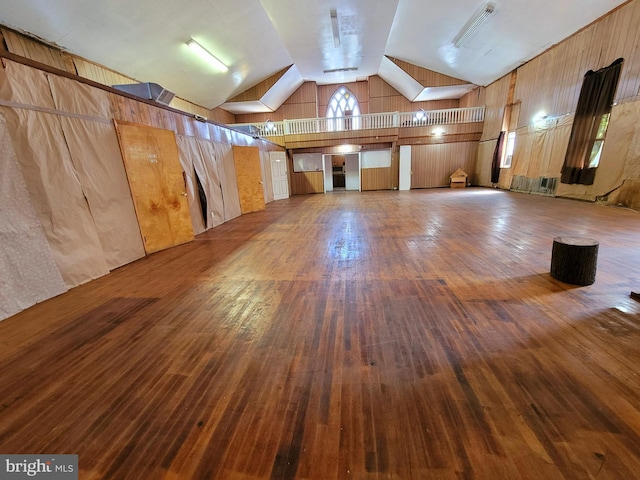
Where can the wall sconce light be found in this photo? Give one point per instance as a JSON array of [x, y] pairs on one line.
[[438, 131], [419, 116], [207, 55], [540, 120]]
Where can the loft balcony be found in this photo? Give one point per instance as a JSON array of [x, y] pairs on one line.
[[422, 126]]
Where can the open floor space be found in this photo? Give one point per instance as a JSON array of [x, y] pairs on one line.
[[405, 335]]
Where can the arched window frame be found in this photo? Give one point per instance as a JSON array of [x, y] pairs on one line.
[[343, 110]]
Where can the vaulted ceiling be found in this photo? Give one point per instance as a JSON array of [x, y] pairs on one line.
[[293, 41]]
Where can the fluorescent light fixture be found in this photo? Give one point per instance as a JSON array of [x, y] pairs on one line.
[[344, 69], [334, 28], [206, 55], [472, 26]]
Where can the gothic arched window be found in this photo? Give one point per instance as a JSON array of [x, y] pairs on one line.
[[343, 105]]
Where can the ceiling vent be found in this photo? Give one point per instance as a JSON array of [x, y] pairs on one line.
[[148, 91]]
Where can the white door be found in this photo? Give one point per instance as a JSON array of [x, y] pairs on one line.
[[279, 175], [328, 173], [405, 167], [352, 171]]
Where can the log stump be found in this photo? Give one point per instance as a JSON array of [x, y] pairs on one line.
[[574, 259]]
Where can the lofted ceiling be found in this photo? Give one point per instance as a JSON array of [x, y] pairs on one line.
[[256, 39]]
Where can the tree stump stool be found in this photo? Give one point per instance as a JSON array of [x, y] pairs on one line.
[[574, 259]]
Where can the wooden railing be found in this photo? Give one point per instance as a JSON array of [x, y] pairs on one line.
[[363, 122]]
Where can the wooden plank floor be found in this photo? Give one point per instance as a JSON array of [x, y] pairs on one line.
[[405, 335]]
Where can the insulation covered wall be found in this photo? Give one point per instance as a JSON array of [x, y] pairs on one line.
[[28, 271], [75, 220]]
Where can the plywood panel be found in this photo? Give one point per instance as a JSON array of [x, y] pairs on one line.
[[157, 184], [249, 178]]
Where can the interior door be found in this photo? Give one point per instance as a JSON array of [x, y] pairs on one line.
[[328, 173], [249, 178], [405, 167], [352, 171], [157, 185], [279, 175]]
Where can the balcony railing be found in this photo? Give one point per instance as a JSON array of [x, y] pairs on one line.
[[370, 121]]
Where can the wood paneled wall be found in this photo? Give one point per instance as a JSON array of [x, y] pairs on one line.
[[100, 74], [257, 91], [306, 182], [474, 98], [302, 104], [384, 98], [551, 83], [431, 165], [34, 50], [496, 98], [376, 179], [221, 116], [428, 78]]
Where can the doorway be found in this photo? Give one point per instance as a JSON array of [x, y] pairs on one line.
[[342, 172]]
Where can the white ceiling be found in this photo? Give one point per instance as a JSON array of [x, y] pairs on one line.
[[145, 39]]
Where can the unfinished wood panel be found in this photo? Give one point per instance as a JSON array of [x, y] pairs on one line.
[[38, 51], [376, 179], [157, 185], [306, 182], [431, 165], [249, 178]]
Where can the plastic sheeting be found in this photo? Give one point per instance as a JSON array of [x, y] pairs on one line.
[[188, 150], [96, 156], [210, 168], [70, 160], [227, 172], [28, 271]]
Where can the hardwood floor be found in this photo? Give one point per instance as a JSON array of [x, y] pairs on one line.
[[405, 335]]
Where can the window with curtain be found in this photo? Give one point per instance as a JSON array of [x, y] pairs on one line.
[[590, 124], [343, 110]]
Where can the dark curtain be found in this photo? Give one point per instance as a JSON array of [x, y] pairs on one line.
[[497, 156], [596, 97]]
